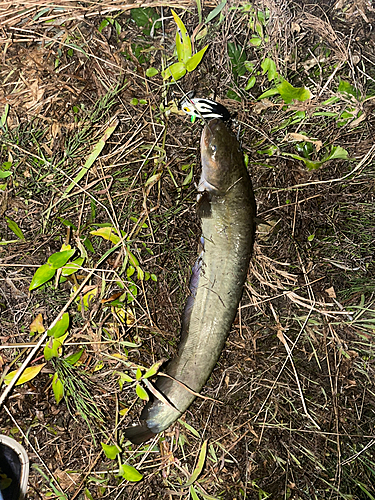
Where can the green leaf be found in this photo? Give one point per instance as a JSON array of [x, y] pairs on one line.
[[145, 17], [188, 178], [42, 275], [4, 116], [337, 152], [53, 347], [193, 62], [256, 41], [269, 67], [140, 273], [262, 16], [103, 24], [117, 26], [203, 32], [270, 150], [199, 9], [58, 388], [311, 165], [246, 159], [132, 258], [150, 72], [237, 55], [15, 228], [88, 494], [134, 219], [111, 451], [72, 267], [87, 299], [60, 328], [59, 259], [67, 223], [345, 115], [193, 493], [268, 93], [233, 95], [138, 374], [331, 100], [132, 293], [108, 233], [346, 87], [175, 71], [141, 16], [305, 148], [88, 245], [78, 48], [198, 469], [73, 358], [130, 271], [249, 66], [154, 369], [288, 92], [28, 374], [4, 175], [129, 473], [250, 84], [189, 428], [183, 42], [364, 489], [216, 11], [123, 378], [141, 393]]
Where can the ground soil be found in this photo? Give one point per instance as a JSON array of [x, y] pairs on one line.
[[295, 380]]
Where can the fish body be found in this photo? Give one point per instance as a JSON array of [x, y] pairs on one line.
[[227, 209]]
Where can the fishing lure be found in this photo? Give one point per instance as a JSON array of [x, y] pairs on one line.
[[203, 108]]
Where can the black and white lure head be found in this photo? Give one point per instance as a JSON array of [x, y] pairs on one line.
[[203, 108]]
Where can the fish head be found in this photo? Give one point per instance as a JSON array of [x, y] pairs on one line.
[[222, 159]]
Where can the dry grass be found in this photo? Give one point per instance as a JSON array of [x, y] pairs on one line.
[[296, 376]]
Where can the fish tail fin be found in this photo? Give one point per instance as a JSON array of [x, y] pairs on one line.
[[137, 434]]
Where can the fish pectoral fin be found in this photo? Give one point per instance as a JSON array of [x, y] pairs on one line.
[[204, 205], [184, 386], [158, 395]]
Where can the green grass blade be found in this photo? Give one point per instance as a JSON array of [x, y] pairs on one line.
[[198, 469], [92, 157]]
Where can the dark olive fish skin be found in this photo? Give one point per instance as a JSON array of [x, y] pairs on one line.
[[227, 209]]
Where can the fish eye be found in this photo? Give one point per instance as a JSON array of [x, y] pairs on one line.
[[213, 148]]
